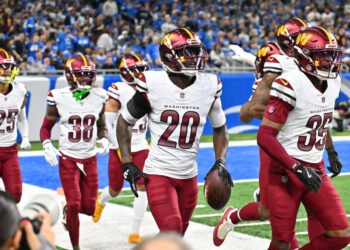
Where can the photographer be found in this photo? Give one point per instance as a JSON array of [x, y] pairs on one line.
[[11, 227]]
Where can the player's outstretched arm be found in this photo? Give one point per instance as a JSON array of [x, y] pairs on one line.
[[255, 107], [334, 161], [242, 56]]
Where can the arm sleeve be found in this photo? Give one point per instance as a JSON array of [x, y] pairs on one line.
[[111, 117], [216, 115], [267, 140], [137, 107], [22, 122], [45, 130]]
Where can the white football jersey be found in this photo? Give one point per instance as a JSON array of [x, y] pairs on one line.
[[279, 64], [276, 64], [10, 106], [122, 92], [303, 134], [176, 121], [78, 129]]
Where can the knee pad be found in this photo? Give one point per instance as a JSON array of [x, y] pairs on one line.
[[172, 223], [338, 242]]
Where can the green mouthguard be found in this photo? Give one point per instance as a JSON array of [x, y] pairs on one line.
[[79, 94]]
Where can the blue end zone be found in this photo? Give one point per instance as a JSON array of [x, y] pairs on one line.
[[242, 161]]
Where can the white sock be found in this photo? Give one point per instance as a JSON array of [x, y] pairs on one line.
[[140, 205], [105, 196]]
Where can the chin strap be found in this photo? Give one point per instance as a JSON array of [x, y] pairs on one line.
[[15, 72], [78, 94]]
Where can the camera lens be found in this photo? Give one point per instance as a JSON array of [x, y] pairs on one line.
[[42, 203]]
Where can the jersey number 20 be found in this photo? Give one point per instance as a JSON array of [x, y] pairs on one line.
[[175, 119]]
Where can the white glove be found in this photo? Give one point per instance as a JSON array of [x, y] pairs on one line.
[[50, 153], [25, 144], [241, 55], [104, 144]]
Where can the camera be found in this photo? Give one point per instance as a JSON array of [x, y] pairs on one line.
[[39, 203]]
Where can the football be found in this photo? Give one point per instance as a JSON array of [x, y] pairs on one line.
[[216, 191]]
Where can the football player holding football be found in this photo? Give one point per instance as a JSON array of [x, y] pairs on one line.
[[272, 59], [80, 109], [119, 94], [293, 133], [177, 101], [13, 98]]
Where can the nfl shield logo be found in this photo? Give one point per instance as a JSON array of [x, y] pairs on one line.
[[271, 110], [182, 95], [323, 99]]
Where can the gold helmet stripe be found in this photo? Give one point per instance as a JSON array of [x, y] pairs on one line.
[[327, 33], [5, 52], [138, 58], [304, 24], [84, 59], [188, 32]]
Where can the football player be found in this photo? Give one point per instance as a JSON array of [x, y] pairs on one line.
[[300, 112], [272, 59], [177, 101], [13, 99], [80, 109], [119, 94]]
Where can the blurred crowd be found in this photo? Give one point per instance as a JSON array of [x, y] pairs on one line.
[[42, 35]]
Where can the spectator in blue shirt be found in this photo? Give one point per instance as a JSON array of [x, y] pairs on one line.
[[34, 46], [47, 65], [65, 39], [82, 41], [152, 53]]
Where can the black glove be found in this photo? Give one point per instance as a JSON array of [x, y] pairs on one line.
[[308, 176], [132, 174], [221, 166], [335, 163]]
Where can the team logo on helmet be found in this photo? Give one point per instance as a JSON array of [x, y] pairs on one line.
[[181, 51], [131, 68], [318, 53]]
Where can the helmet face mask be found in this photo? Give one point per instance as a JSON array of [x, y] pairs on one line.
[[182, 52], [7, 65], [80, 73], [318, 53], [131, 67]]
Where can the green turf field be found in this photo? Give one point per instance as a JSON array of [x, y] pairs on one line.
[[242, 193]]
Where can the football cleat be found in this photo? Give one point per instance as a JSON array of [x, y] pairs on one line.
[[257, 195], [98, 210], [64, 217], [223, 227], [135, 238]]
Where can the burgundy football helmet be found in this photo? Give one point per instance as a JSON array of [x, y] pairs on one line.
[[181, 51], [287, 32], [7, 64], [268, 49], [318, 53], [80, 72], [130, 67]]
